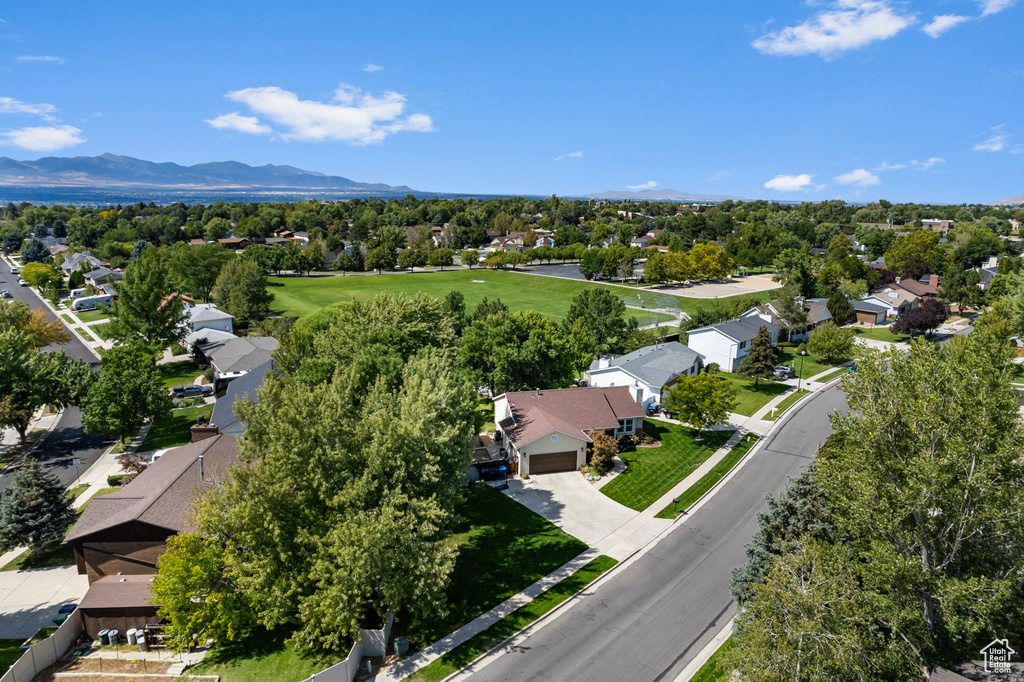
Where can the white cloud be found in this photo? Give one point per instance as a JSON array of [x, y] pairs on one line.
[[925, 165], [719, 175], [650, 184], [350, 116], [9, 105], [40, 58], [943, 23], [242, 124], [845, 25], [570, 155], [370, 68], [859, 177], [994, 6], [791, 183], [43, 138], [885, 166], [996, 142]]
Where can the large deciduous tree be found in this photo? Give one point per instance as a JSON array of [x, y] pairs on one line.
[[33, 323], [127, 393], [702, 400], [34, 509], [921, 320], [145, 308], [241, 289], [604, 313], [194, 269], [40, 275], [831, 342]]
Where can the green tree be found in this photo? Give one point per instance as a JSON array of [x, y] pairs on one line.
[[469, 257], [485, 309], [241, 289], [920, 246], [439, 258], [194, 269], [795, 267], [592, 263], [127, 393], [582, 345], [961, 287], [604, 313], [198, 593], [839, 308], [412, 258], [34, 509], [702, 400], [41, 274], [759, 363], [656, 269], [381, 258], [454, 306], [33, 251], [218, 228], [831, 342], [144, 308]]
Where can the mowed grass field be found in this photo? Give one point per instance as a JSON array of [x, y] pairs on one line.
[[550, 296]]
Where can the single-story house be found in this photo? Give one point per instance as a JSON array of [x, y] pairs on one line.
[[727, 343], [869, 312], [648, 372], [925, 290], [545, 431], [124, 533], [77, 260], [896, 301], [238, 354], [101, 275], [640, 242], [816, 309], [236, 388], [208, 316], [205, 336], [118, 602], [234, 244]]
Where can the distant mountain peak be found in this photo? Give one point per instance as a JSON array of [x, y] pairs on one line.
[[1011, 201], [113, 170], [660, 195]]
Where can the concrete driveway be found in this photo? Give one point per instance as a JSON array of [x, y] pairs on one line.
[[572, 504], [29, 599]]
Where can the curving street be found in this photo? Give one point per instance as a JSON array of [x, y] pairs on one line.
[[67, 440], [648, 621]]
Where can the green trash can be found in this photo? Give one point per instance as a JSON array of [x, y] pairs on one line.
[[401, 646]]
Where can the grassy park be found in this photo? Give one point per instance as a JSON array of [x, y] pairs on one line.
[[652, 472]]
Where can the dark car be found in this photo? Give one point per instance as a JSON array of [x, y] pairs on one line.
[[178, 392], [784, 372], [195, 391]]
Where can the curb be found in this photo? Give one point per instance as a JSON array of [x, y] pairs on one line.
[[39, 441]]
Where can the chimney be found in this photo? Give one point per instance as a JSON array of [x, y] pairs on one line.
[[933, 280], [203, 431]]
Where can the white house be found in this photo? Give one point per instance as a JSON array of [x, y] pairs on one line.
[[548, 431], [816, 309], [208, 316], [648, 372], [727, 343]]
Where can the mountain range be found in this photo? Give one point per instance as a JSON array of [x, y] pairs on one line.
[[661, 195], [114, 171], [1010, 201]]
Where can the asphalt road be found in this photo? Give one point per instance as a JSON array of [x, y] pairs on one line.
[[68, 440], [650, 620]]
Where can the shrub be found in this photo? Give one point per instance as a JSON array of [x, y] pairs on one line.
[[115, 481], [208, 375], [178, 349]]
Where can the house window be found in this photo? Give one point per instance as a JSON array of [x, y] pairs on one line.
[[743, 344]]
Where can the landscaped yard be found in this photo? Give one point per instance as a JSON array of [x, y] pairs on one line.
[[832, 375], [470, 650], [485, 408], [879, 334], [652, 472], [263, 656], [175, 430], [9, 653], [503, 548], [178, 373], [812, 364], [550, 296], [708, 480], [784, 405], [93, 315], [748, 399], [102, 331]]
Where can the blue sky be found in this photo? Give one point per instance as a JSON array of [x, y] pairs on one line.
[[853, 99]]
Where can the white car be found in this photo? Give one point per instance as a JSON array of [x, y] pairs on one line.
[[22, 282], [5, 294]]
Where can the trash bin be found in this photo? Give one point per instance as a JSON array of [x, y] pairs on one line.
[[112, 635], [140, 639], [130, 636], [401, 646], [103, 636]]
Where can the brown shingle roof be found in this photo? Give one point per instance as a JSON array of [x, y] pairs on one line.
[[118, 592], [161, 495], [916, 288], [569, 410]]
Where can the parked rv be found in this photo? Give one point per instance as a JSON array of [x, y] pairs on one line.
[[90, 302]]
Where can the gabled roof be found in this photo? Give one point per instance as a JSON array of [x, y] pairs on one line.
[[162, 495], [240, 354], [243, 387], [571, 411], [207, 312], [208, 335], [865, 307], [656, 365], [740, 329], [916, 288]]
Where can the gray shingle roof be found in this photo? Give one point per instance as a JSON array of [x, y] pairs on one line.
[[657, 365], [240, 354], [244, 386], [865, 307], [743, 328], [207, 313]]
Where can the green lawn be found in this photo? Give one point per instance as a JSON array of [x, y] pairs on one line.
[[652, 472], [483, 642], [749, 400], [102, 331], [175, 430], [708, 480], [67, 319], [879, 334], [9, 653], [93, 315], [178, 373], [550, 296], [712, 670], [503, 548], [812, 364], [832, 375], [784, 405], [262, 656], [485, 408]]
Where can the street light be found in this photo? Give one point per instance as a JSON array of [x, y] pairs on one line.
[[799, 377]]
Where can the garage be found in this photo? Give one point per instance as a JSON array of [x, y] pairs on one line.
[[553, 461]]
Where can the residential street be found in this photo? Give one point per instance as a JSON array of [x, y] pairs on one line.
[[57, 449], [648, 621]]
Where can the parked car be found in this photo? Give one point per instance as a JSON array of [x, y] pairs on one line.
[[5, 294], [195, 391], [178, 392], [784, 372], [22, 282], [15, 271]]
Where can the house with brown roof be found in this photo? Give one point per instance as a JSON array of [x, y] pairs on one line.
[[815, 308], [124, 533], [545, 431], [926, 291], [118, 602]]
